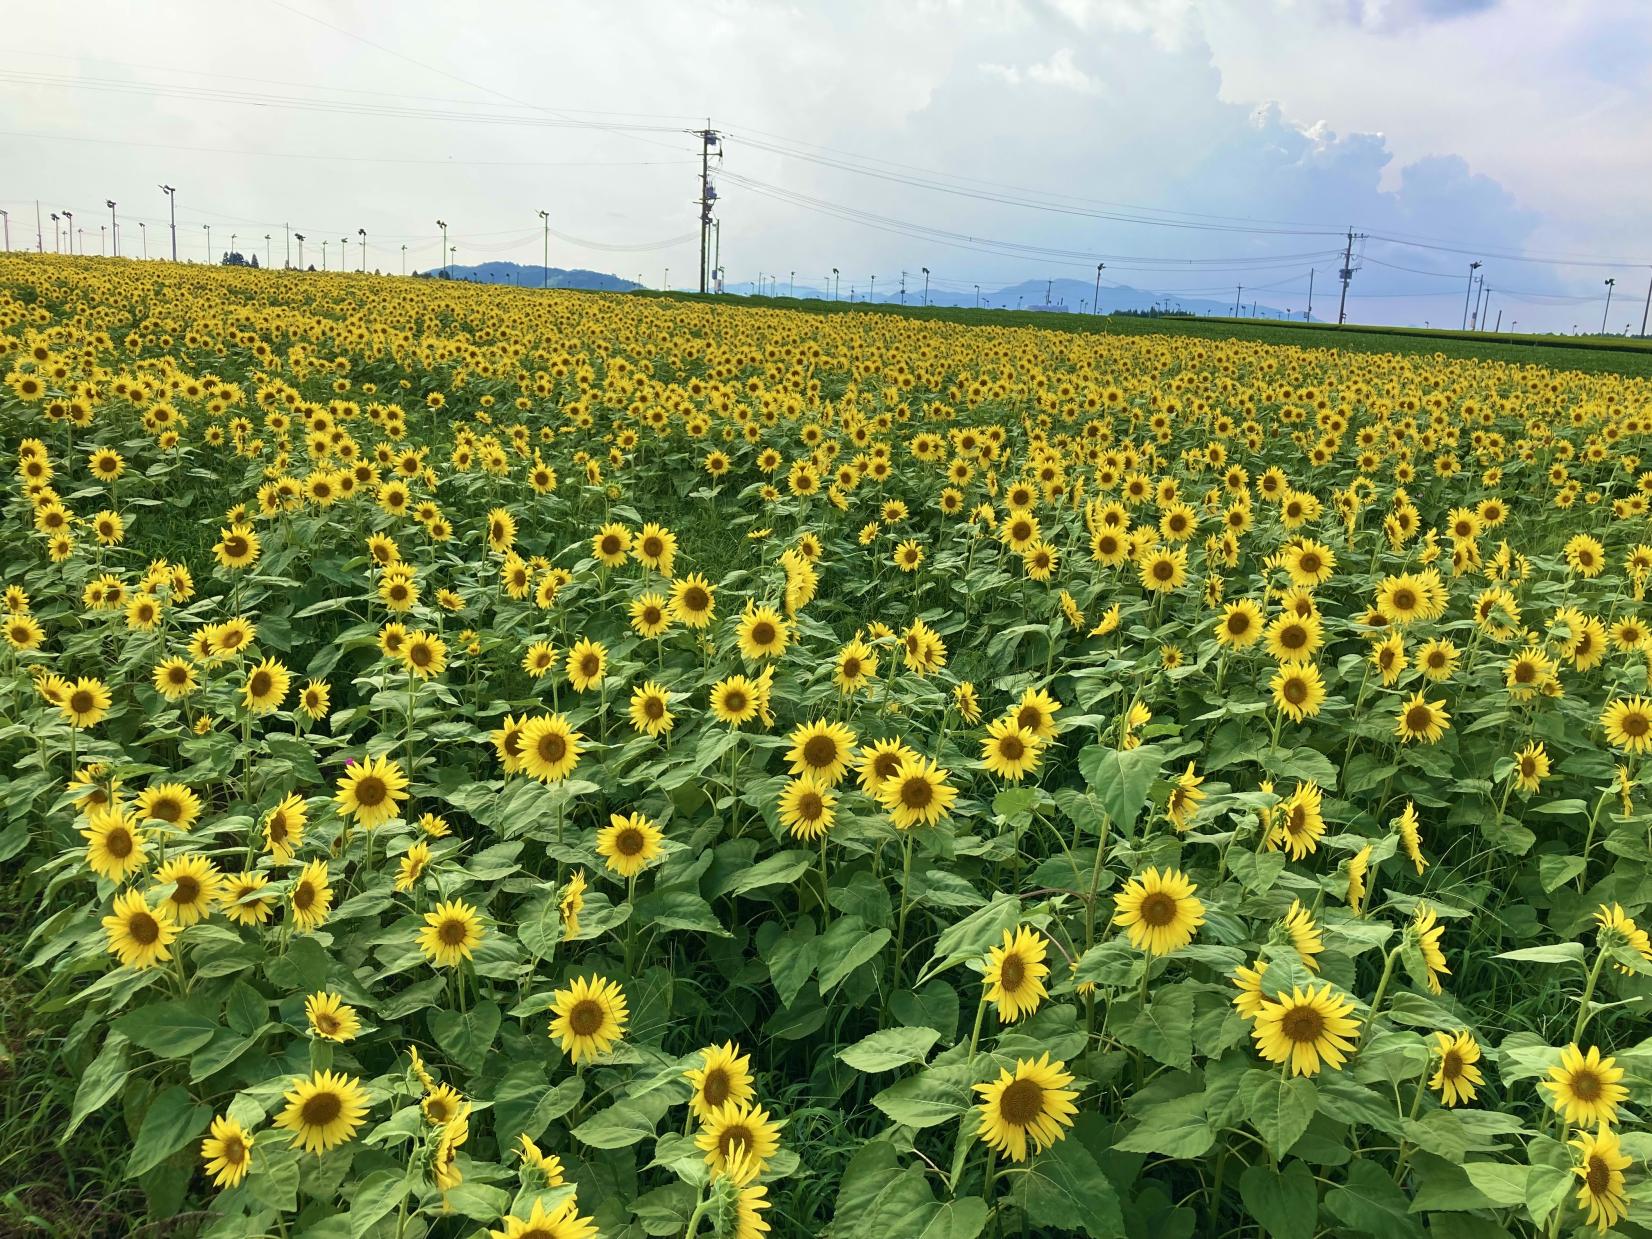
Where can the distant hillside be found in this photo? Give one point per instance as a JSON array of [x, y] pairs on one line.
[[1064, 296], [533, 277]]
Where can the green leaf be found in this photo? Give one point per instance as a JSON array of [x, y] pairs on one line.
[[245, 1008], [971, 937], [1372, 1202], [890, 1048], [1555, 871], [1499, 1182], [1121, 780], [936, 1095], [1558, 953], [173, 1119], [791, 959], [1278, 1108], [1164, 1029], [1284, 1203], [1175, 1128], [524, 1105], [1256, 871], [466, 1036], [665, 1210], [877, 1199], [170, 1029], [842, 953], [375, 1197], [624, 1123], [781, 869], [101, 1080], [1064, 1186]]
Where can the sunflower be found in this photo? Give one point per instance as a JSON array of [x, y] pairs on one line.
[[1437, 659], [590, 1017], [742, 1169], [1306, 1029], [735, 700], [649, 615], [330, 1018], [1420, 719], [549, 747], [1301, 822], [1240, 624], [227, 1152], [1009, 750], [265, 688], [1601, 1163], [856, 667], [1298, 690], [693, 601], [723, 1077], [175, 679], [1457, 1076], [610, 545], [562, 1221], [316, 699], [539, 659], [245, 898], [311, 897], [917, 794], [547, 1165], [195, 883], [1304, 934], [115, 847], [586, 665], [1628, 723], [737, 1126], [1015, 972], [451, 933], [629, 844], [922, 649], [323, 1110], [85, 703], [1585, 1087], [140, 936], [967, 702], [441, 1102], [651, 709], [412, 867], [371, 791], [424, 655], [1036, 713], [1185, 797], [807, 808], [1308, 563], [1032, 1105], [237, 546], [23, 632], [571, 903], [878, 762], [1163, 570], [1159, 911], [762, 633], [284, 828], [1359, 872], [655, 547], [1248, 1001], [1425, 925]]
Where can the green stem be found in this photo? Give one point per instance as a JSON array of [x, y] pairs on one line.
[[900, 925]]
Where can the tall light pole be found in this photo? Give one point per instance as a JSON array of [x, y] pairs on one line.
[[545, 266], [404, 257], [791, 284], [299, 236], [208, 229], [103, 236], [1472, 268], [114, 227], [286, 245], [1648, 309], [343, 252], [143, 235], [57, 234], [323, 253], [266, 251], [1610, 284], [442, 224], [362, 233], [70, 229], [1096, 303], [926, 287], [834, 283], [232, 239], [872, 292], [977, 296], [666, 282], [172, 208], [6, 216], [903, 288]]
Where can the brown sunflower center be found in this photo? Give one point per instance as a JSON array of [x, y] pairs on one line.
[[186, 890], [820, 751], [1419, 718], [166, 809], [553, 747], [304, 895], [1295, 690], [1635, 723], [585, 1018], [917, 792], [81, 701], [1597, 1173], [762, 633], [1451, 1065], [696, 599], [453, 931], [1302, 1025], [1010, 747], [629, 842], [370, 791], [144, 929], [1022, 1102], [118, 843], [1158, 909], [1586, 1085], [589, 665], [1012, 972], [259, 685], [734, 701], [1163, 570], [320, 1109], [715, 1088], [734, 1135]]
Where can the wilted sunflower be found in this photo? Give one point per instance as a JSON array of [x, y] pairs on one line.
[[227, 1152], [139, 935], [323, 1110], [723, 1076], [629, 844], [1585, 1088], [451, 933], [1015, 972], [1159, 911], [1306, 1029], [589, 1017], [371, 791], [1032, 1105]]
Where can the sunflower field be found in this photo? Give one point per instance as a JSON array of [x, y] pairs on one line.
[[488, 762]]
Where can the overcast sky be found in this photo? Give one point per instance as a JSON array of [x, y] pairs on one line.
[[1191, 146]]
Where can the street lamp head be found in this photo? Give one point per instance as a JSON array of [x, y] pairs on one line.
[[110, 203], [926, 270], [545, 215], [167, 189], [361, 232]]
